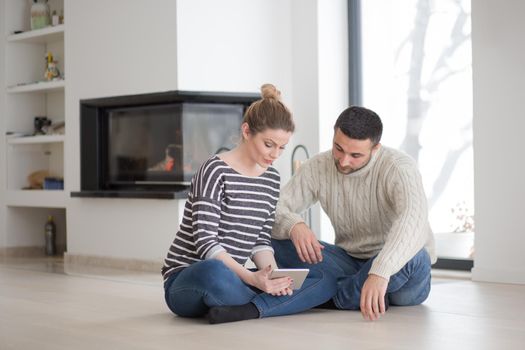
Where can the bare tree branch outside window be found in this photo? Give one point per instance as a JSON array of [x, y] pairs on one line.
[[430, 58]]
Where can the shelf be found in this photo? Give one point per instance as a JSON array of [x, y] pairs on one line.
[[41, 86], [36, 198], [40, 36], [25, 140]]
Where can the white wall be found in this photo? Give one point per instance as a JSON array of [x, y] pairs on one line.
[[305, 81], [3, 171], [116, 48], [319, 81], [333, 80], [131, 46], [231, 45], [298, 45], [333, 67], [498, 51], [236, 45]]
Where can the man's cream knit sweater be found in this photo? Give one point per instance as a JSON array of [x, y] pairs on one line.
[[381, 209]]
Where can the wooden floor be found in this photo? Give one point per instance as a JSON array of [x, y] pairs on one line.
[[44, 307]]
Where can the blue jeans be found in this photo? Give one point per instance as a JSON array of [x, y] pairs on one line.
[[409, 286], [193, 290]]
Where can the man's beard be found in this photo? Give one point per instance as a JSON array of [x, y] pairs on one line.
[[349, 170]]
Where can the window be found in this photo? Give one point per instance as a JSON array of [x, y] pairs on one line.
[[416, 71]]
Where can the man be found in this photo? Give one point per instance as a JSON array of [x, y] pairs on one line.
[[374, 198]]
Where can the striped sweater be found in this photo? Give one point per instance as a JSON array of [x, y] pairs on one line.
[[225, 211]]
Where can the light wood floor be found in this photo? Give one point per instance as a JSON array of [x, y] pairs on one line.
[[42, 307]]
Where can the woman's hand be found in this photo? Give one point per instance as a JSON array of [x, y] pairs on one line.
[[259, 279], [276, 287]]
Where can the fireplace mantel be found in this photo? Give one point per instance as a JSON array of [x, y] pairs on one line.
[[183, 194]]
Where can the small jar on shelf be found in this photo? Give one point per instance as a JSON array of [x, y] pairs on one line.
[[40, 14]]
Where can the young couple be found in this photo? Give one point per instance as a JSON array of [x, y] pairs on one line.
[[373, 195]]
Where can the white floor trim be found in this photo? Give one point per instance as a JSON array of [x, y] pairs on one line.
[[495, 275], [110, 262]]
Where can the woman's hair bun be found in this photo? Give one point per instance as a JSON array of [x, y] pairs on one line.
[[270, 91]]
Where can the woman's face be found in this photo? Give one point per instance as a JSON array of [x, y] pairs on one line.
[[266, 146]]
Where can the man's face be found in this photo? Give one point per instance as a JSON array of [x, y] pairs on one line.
[[349, 154]]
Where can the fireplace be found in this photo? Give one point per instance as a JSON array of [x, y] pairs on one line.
[[150, 145]]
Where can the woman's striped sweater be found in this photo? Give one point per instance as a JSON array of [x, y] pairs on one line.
[[225, 211]]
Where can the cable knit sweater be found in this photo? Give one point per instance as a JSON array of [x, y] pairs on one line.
[[381, 209]]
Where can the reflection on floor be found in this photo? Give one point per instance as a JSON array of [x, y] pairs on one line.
[[45, 305]]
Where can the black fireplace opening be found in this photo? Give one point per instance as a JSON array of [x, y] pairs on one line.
[[151, 145]]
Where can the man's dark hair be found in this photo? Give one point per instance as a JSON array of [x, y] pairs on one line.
[[360, 123]]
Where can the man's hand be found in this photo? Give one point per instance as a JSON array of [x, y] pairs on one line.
[[373, 297], [307, 246]]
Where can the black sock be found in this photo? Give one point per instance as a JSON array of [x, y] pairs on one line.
[[327, 305], [222, 314]]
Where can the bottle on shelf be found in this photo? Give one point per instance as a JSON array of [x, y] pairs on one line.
[[40, 14], [55, 20], [50, 236]]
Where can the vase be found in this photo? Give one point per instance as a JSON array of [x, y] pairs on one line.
[[40, 14]]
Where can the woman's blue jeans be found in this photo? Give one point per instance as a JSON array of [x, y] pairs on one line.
[[409, 286], [196, 288]]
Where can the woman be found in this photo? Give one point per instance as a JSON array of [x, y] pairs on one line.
[[228, 218]]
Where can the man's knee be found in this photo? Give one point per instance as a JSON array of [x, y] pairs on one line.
[[420, 264], [411, 296], [417, 288]]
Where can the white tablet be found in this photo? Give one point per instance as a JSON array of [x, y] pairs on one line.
[[297, 275]]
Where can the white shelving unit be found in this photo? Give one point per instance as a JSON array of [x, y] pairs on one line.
[[28, 96], [40, 86], [39, 36], [36, 198], [41, 139], [24, 96]]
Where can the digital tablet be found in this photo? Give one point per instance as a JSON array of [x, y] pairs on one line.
[[297, 275]]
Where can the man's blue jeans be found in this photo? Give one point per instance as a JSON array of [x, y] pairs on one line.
[[409, 286], [193, 290]]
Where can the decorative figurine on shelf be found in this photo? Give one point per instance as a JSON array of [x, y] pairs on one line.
[[41, 125], [36, 180], [52, 71], [40, 14]]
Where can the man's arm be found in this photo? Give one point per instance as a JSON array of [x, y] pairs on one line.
[[299, 194], [405, 238], [296, 196], [372, 302], [409, 230], [306, 244]]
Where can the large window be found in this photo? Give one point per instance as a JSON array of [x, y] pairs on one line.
[[415, 58]]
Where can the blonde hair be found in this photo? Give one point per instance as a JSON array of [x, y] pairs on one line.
[[269, 112]]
